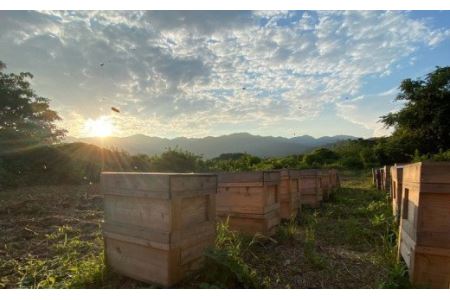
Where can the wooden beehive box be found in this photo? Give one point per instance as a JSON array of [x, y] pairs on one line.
[[249, 201], [334, 179], [374, 177], [311, 188], [337, 179], [326, 183], [157, 225], [386, 179], [381, 179], [397, 188], [289, 193], [378, 178], [424, 240]]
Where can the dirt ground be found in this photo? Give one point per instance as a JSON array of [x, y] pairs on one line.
[[336, 246]]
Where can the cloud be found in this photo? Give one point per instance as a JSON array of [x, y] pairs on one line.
[[181, 73]]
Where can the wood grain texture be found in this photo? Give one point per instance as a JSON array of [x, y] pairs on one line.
[[397, 189], [424, 241], [288, 193], [157, 226], [265, 224], [250, 200], [311, 192]]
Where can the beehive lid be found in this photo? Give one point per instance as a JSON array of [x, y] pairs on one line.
[[157, 185], [399, 166], [244, 177], [427, 172]]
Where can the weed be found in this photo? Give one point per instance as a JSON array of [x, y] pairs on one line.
[[72, 266], [397, 277], [317, 260], [288, 231], [225, 266]]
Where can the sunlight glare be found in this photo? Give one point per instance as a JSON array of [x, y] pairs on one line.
[[100, 127]]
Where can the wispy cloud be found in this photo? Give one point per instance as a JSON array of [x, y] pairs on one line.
[[180, 73]]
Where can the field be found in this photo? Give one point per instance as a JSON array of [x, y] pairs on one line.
[[50, 238]]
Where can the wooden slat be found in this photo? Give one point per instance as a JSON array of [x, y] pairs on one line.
[[157, 225], [253, 177], [426, 225]]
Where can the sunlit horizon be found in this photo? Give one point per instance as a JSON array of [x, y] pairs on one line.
[[100, 127]]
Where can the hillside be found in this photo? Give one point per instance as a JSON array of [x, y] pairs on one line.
[[209, 147]]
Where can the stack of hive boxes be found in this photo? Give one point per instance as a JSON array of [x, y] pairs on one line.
[[424, 240], [289, 193], [382, 178], [158, 225], [311, 187], [378, 178], [249, 201], [386, 179], [326, 183], [334, 179], [397, 188]]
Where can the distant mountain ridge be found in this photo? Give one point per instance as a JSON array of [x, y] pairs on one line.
[[209, 147]]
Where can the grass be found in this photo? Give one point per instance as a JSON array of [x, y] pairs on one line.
[[51, 239]]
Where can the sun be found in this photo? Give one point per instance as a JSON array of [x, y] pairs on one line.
[[100, 127]]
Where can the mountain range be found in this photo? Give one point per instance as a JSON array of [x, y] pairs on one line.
[[209, 147]]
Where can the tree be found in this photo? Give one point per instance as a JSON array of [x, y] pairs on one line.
[[425, 117], [176, 160], [25, 118], [320, 157]]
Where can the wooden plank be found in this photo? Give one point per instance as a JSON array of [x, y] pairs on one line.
[[435, 172], [153, 214], [254, 176], [265, 224], [250, 215], [288, 197], [156, 185], [431, 270], [157, 225], [138, 261], [425, 222]]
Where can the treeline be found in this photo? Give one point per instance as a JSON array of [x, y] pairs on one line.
[[29, 153], [80, 163]]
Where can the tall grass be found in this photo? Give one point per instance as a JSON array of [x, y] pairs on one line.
[[225, 265]]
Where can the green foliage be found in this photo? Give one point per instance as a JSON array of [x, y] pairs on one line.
[[72, 266], [360, 219], [234, 162], [352, 162], [314, 258], [357, 154], [441, 156], [176, 160], [25, 118], [424, 117], [288, 230], [225, 265], [320, 157], [397, 278], [73, 163]]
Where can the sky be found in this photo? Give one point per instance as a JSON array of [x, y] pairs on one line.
[[209, 73]]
